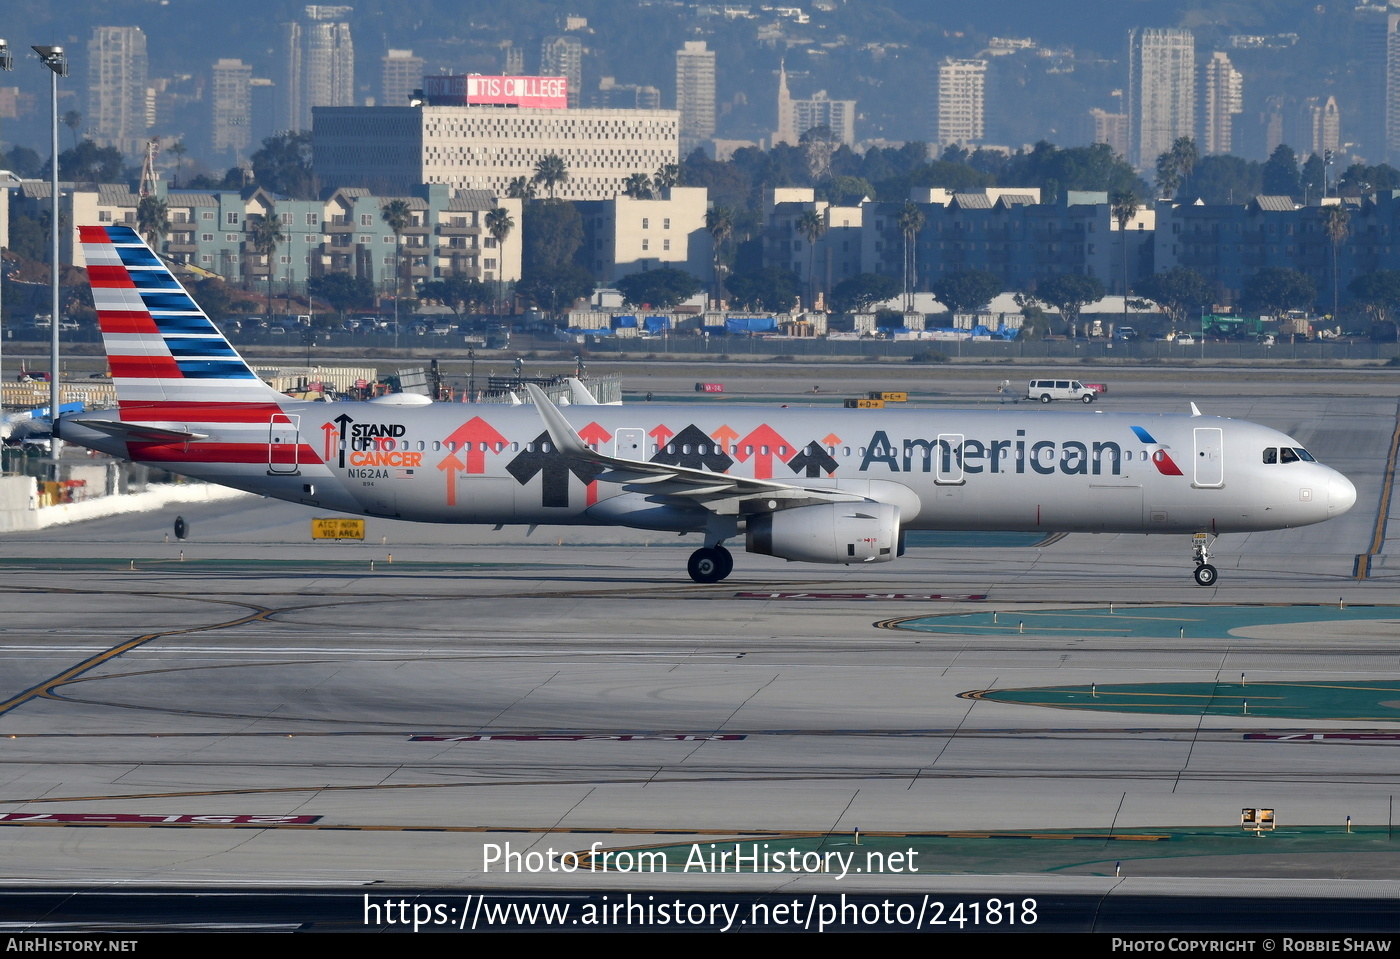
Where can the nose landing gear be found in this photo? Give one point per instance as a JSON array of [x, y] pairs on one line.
[[1206, 574]]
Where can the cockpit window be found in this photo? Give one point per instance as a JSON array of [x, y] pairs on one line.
[[1271, 455], [1305, 455], [1288, 455]]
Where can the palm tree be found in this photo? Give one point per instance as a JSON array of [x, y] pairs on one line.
[[719, 221], [637, 186], [397, 215], [667, 176], [267, 234], [72, 120], [911, 221], [499, 224], [520, 188], [1123, 206], [179, 149], [551, 172], [811, 225], [1335, 220], [152, 220]]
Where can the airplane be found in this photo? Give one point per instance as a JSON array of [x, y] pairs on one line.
[[810, 485]]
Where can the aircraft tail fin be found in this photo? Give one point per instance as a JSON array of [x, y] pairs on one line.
[[169, 362]]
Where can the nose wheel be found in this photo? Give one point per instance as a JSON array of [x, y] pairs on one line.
[[710, 564], [1205, 574]]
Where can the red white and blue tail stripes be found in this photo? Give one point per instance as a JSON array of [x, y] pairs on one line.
[[169, 362]]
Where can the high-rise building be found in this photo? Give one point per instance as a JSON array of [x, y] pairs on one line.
[[563, 57], [1161, 92], [116, 87], [1222, 99], [796, 117], [402, 74], [961, 113], [1111, 128], [317, 65], [695, 94], [1317, 127], [232, 103], [512, 61], [1392, 88]]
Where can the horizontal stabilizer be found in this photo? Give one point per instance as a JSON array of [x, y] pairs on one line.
[[137, 431]]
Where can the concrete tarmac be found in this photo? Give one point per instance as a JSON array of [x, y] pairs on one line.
[[574, 687]]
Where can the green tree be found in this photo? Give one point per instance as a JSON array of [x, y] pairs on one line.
[[179, 149], [499, 224], [666, 176], [551, 171], [719, 223], [1275, 290], [967, 291], [637, 186], [73, 120], [1123, 206], [772, 289], [1180, 292], [555, 288], [89, 163], [152, 220], [1280, 173], [911, 221], [859, 293], [1378, 294], [267, 236], [812, 226], [458, 293], [1069, 293], [659, 289], [521, 188], [341, 291], [284, 165], [1335, 223], [1313, 179], [553, 232], [397, 215]]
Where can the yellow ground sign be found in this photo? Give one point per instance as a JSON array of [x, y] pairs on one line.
[[337, 528]]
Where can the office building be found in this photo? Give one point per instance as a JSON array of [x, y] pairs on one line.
[[1161, 92], [401, 74], [961, 109], [695, 94], [232, 103], [563, 57], [1222, 99], [316, 65], [116, 88]]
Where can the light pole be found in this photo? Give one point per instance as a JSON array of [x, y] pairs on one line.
[[53, 58], [7, 63]]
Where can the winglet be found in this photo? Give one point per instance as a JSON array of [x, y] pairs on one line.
[[563, 435], [1194, 411], [579, 395]]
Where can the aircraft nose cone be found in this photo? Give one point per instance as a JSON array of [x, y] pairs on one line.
[[1341, 495]]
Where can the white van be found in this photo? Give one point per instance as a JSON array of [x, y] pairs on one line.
[[1047, 390]]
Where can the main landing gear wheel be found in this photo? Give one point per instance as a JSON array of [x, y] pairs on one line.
[[710, 564], [1206, 575]]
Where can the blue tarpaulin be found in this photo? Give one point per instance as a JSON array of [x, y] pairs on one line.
[[621, 321], [655, 324]]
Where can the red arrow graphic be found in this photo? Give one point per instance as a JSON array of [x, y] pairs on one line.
[[331, 435], [662, 435], [452, 465], [765, 443], [472, 434]]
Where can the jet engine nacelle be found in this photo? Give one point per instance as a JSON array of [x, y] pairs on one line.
[[829, 533]]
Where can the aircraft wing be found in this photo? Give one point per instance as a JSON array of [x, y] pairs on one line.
[[134, 431], [718, 492]]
